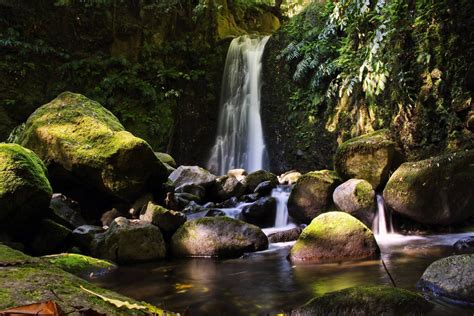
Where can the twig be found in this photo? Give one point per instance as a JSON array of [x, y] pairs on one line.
[[389, 275]]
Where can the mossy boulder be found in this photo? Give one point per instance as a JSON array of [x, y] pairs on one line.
[[79, 264], [333, 237], [312, 195], [370, 157], [25, 191], [129, 241], [78, 137], [166, 159], [10, 257], [366, 300], [451, 277], [167, 220], [434, 191], [217, 237], [252, 180], [356, 197]]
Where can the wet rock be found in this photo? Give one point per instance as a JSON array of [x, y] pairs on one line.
[[192, 175], [261, 213], [192, 208], [370, 157], [286, 235], [356, 197], [129, 241], [25, 191], [193, 189], [227, 187], [451, 277], [366, 300], [252, 180], [249, 197], [232, 202], [209, 205], [67, 210], [289, 177], [50, 238], [217, 237], [435, 191], [465, 245], [264, 188], [188, 197], [215, 212], [82, 236], [167, 220], [334, 237], [82, 141], [312, 195]]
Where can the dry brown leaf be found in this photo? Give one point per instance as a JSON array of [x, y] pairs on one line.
[[49, 308]]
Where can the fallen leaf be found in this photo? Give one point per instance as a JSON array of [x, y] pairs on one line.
[[49, 308]]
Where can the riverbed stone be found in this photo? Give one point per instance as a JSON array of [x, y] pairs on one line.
[[451, 277], [67, 210], [289, 177], [192, 175], [370, 157], [227, 187], [356, 197], [465, 245], [366, 300], [334, 237], [261, 212], [286, 235], [264, 188], [252, 180], [129, 241], [435, 191], [25, 191], [83, 235], [167, 220], [217, 237], [312, 195]]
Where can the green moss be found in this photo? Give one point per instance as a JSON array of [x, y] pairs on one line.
[[10, 256], [78, 264], [364, 193], [166, 158]]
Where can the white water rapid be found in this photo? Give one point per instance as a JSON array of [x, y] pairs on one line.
[[239, 142]]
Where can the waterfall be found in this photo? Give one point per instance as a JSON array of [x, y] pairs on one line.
[[382, 226], [239, 142], [281, 194]]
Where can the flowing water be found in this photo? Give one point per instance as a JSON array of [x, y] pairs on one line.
[[239, 142], [281, 194]]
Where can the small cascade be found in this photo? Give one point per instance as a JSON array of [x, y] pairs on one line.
[[239, 142], [281, 194], [382, 225]]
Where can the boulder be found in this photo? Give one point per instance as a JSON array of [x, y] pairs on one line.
[[215, 212], [230, 203], [366, 300], [227, 187], [261, 212], [167, 220], [237, 173], [25, 191], [451, 277], [435, 191], [188, 175], [50, 238], [108, 217], [196, 190], [286, 235], [264, 188], [83, 235], [356, 197], [67, 210], [192, 207], [252, 180], [289, 177], [217, 237], [370, 157], [334, 237], [139, 206], [129, 241], [465, 245], [166, 159], [312, 195], [82, 141]]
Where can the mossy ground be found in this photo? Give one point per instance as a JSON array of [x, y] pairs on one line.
[[9, 256], [78, 264]]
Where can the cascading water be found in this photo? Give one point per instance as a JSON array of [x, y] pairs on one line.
[[382, 225], [239, 142], [281, 195]]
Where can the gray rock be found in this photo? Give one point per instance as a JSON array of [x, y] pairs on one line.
[[168, 221], [255, 178], [356, 197], [51, 238], [265, 188], [109, 216], [465, 245], [83, 235], [261, 213], [286, 235], [227, 187], [187, 175], [67, 210], [193, 189]]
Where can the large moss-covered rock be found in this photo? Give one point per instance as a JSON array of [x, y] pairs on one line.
[[452, 277], [217, 237], [434, 191], [332, 237], [312, 195], [129, 241], [370, 157], [167, 220], [356, 197], [366, 300], [78, 137], [252, 180], [24, 189]]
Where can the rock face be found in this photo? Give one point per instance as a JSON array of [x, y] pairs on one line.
[[192, 175], [252, 180], [356, 197], [332, 237], [167, 220], [24, 189], [434, 191], [312, 195], [261, 212], [129, 241], [366, 300], [217, 237], [79, 138], [452, 277], [370, 157]]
